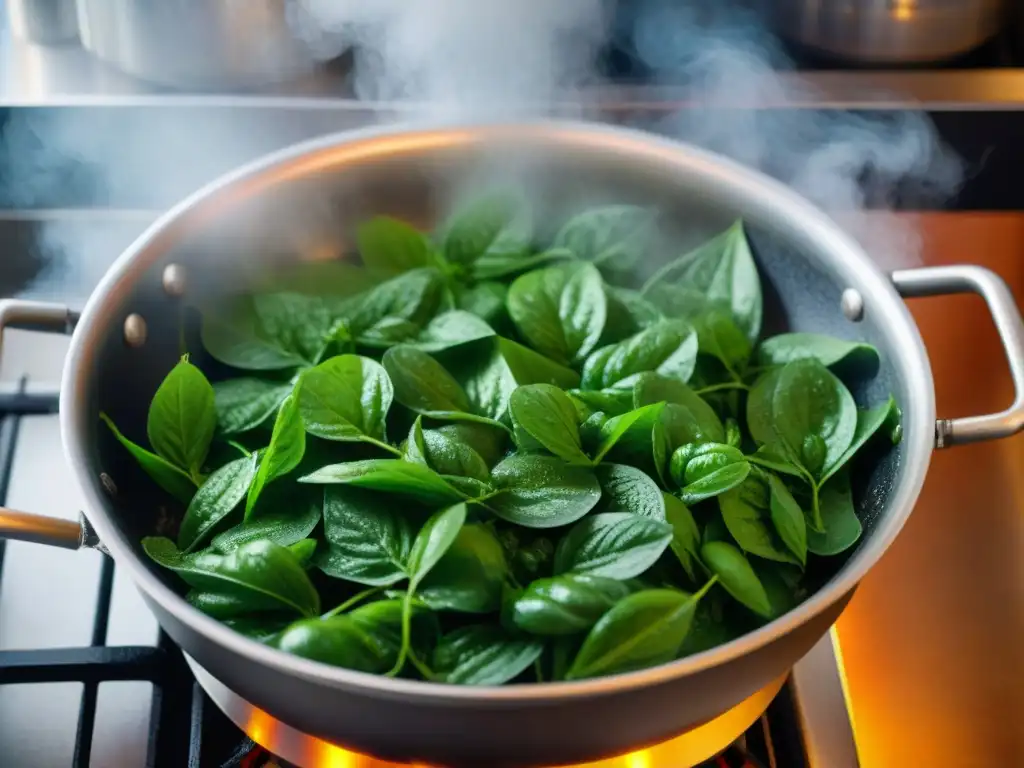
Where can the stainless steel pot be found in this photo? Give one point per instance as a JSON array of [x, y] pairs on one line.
[[43, 21], [200, 43], [306, 200], [889, 31]]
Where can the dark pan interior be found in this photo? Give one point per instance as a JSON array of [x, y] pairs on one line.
[[311, 218]]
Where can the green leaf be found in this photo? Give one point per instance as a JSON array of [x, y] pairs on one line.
[[262, 629], [610, 431], [685, 534], [452, 329], [303, 550], [693, 461], [746, 511], [542, 491], [167, 476], [246, 403], [736, 576], [615, 236], [787, 518], [869, 421], [529, 367], [760, 413], [704, 470], [422, 384], [223, 606], [810, 401], [492, 369], [668, 348], [383, 619], [720, 337], [628, 314], [627, 489], [287, 446], [643, 630], [643, 444], [384, 334], [432, 542], [444, 453], [492, 267], [281, 516], [566, 604], [266, 576], [829, 351], [487, 440], [614, 401], [619, 545], [267, 332], [346, 398], [710, 627], [490, 226], [733, 434], [182, 418], [723, 273], [368, 538], [470, 576], [560, 311], [842, 527], [390, 476], [546, 414], [781, 595], [215, 499], [414, 296], [715, 483], [690, 420], [484, 654], [486, 300], [773, 457], [389, 245], [338, 641]]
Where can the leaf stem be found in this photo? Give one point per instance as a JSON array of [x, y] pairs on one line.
[[403, 652], [238, 446], [423, 669], [721, 387], [381, 444], [816, 522], [538, 670], [356, 598]]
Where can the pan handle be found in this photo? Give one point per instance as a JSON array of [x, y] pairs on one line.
[[937, 281], [21, 526]]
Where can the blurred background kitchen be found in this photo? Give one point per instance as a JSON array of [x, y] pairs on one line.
[[902, 118]]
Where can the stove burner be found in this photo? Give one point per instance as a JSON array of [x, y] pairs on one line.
[[273, 744]]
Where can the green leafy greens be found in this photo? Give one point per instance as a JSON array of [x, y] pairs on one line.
[[487, 458]]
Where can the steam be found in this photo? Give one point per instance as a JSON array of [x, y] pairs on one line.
[[468, 58], [501, 59], [842, 161]]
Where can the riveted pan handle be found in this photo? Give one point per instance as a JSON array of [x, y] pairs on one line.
[[21, 526], [937, 281]]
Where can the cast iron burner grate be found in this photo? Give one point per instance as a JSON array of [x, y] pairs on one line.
[[186, 728]]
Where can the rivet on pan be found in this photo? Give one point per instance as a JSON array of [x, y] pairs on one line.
[[108, 484], [134, 330], [853, 305], [174, 280]]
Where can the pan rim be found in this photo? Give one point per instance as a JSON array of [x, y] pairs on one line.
[[814, 228]]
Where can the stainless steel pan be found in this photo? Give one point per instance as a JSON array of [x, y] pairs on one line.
[[889, 31], [302, 202]]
